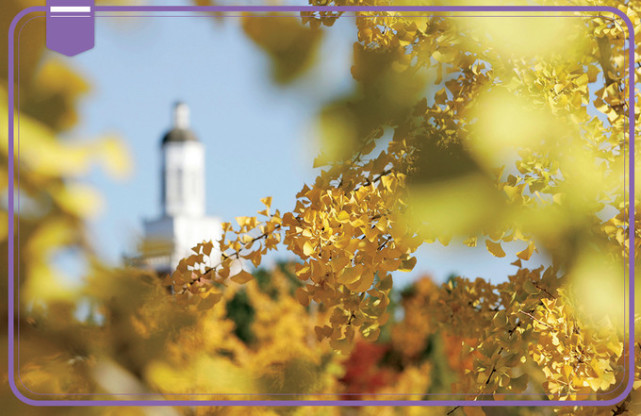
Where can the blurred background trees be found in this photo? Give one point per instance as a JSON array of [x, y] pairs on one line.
[[492, 130]]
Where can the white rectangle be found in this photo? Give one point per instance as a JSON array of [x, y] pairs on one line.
[[70, 9]]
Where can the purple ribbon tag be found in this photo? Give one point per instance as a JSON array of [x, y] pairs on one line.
[[70, 26]]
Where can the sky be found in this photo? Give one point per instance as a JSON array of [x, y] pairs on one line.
[[260, 138]]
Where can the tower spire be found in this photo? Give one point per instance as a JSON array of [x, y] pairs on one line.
[[181, 115]]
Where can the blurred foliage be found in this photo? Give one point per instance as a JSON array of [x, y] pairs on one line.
[[495, 138], [290, 45]]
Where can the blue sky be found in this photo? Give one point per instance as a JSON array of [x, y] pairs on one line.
[[259, 137]]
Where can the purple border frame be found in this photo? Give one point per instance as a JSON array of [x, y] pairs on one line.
[[432, 9]]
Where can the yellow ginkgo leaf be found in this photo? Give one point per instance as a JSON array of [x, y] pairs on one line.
[[363, 283], [308, 249], [350, 274], [242, 277], [407, 265], [494, 248], [207, 247], [267, 201], [242, 221], [527, 252]]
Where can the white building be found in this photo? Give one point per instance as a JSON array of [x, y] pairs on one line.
[[183, 222]]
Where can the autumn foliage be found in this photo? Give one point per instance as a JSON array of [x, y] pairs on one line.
[[511, 135]]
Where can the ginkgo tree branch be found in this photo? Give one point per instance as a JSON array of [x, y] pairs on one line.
[[537, 320], [378, 177]]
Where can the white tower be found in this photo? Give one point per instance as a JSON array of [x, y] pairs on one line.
[[183, 223], [183, 169]]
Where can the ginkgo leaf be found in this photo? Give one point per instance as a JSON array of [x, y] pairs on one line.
[[527, 252], [207, 247], [407, 265], [350, 274], [494, 248], [302, 296], [385, 283], [363, 283], [267, 201], [254, 256], [322, 332], [308, 248], [582, 79], [371, 333], [245, 221], [242, 277]]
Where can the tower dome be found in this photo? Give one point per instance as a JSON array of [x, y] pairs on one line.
[[181, 131]]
